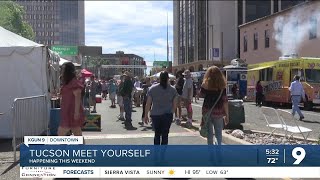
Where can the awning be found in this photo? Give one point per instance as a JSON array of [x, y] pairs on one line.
[[86, 73], [259, 68]]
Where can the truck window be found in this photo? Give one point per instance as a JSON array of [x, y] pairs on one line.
[[298, 72], [266, 74], [313, 75]]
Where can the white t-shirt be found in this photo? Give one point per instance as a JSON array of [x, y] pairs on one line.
[[188, 83], [137, 84]]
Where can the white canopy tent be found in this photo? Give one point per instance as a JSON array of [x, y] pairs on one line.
[[158, 76], [23, 72], [62, 61]]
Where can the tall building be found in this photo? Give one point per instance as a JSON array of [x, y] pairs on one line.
[[206, 32], [56, 22]]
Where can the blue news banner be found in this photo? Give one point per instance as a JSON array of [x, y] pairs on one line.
[[173, 155]]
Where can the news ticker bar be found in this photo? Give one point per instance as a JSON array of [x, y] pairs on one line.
[[169, 156], [168, 172]]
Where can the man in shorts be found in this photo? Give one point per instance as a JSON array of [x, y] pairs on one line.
[[112, 93], [187, 95]]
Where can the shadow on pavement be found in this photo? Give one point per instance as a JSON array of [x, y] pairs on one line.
[[189, 127], [6, 145], [10, 167], [307, 121]]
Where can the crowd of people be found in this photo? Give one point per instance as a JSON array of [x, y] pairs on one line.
[[178, 94]]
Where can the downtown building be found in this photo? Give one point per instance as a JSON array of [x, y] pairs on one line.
[[206, 32], [292, 32], [118, 59], [56, 22]]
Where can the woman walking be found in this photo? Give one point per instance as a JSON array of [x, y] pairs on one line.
[[213, 89], [162, 108], [72, 115], [179, 87], [259, 94]]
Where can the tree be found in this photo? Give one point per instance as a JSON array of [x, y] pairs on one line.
[[11, 15], [97, 62]]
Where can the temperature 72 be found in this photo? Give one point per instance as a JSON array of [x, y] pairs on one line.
[[272, 160]]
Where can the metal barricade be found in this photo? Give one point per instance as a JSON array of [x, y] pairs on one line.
[[30, 118]]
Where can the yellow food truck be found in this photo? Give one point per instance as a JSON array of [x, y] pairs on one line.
[[276, 77]]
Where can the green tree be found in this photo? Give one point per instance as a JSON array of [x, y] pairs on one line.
[[97, 62], [11, 15]]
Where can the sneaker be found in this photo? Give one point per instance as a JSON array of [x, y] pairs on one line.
[[178, 121], [129, 126], [141, 123], [93, 111], [301, 118], [189, 124]]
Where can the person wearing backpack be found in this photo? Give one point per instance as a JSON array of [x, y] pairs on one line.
[[215, 105]]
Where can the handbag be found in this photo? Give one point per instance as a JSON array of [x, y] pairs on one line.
[[206, 118]]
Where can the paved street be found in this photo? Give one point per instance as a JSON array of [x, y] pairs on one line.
[[255, 120], [113, 132]]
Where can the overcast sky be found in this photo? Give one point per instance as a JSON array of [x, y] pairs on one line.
[[138, 27]]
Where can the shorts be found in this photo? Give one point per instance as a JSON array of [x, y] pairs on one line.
[[92, 99], [112, 96], [120, 100], [187, 105]]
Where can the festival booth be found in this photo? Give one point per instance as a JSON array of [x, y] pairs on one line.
[[24, 71]]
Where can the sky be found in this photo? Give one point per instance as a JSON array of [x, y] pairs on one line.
[[138, 27]]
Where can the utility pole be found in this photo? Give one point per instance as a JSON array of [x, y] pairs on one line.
[[167, 43], [171, 53], [212, 42], [221, 54]]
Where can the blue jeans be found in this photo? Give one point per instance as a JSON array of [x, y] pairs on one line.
[[127, 109], [161, 124], [218, 124], [295, 105]]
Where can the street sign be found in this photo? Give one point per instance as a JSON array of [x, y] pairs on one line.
[[215, 52], [66, 50], [162, 63]]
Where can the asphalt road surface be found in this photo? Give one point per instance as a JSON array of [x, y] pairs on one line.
[[255, 120], [113, 132]]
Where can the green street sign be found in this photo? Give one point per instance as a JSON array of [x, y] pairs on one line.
[[161, 63], [66, 50]]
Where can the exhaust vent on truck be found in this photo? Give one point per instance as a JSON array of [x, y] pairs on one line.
[[292, 56]]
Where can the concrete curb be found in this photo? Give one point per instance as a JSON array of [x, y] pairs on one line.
[[231, 140], [282, 135]]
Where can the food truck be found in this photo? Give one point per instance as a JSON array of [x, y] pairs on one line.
[[276, 77]]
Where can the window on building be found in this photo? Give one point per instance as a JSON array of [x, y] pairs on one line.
[[34, 16], [52, 33], [313, 28], [245, 43], [267, 38], [255, 41]]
